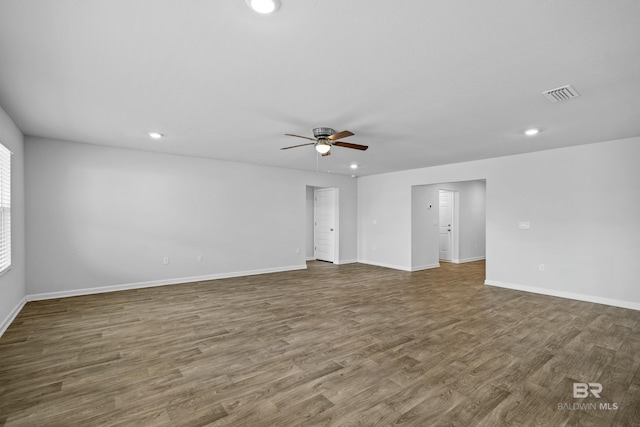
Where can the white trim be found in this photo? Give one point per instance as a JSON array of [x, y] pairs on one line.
[[382, 264], [425, 267], [568, 295], [140, 285], [339, 262], [472, 259], [336, 226], [335, 192], [12, 316], [310, 258], [346, 261], [455, 238]]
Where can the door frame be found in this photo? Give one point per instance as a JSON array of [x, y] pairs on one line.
[[336, 221], [455, 233]]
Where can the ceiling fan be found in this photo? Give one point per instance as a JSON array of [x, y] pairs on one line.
[[325, 138]]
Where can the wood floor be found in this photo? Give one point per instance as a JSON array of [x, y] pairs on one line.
[[332, 345]]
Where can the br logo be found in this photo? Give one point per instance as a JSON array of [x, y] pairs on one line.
[[582, 390]]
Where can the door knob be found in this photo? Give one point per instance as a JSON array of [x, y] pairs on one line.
[[331, 229]]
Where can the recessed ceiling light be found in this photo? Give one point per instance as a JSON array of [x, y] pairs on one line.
[[354, 166], [155, 135], [264, 6], [531, 132]]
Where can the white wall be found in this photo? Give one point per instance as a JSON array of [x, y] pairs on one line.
[[309, 223], [425, 251], [582, 203], [471, 223], [105, 217], [12, 283], [101, 217]]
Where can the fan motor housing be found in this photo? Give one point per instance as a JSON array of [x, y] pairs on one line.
[[323, 132]]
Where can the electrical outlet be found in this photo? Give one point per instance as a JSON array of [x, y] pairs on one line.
[[297, 250], [200, 258], [165, 260], [541, 267]]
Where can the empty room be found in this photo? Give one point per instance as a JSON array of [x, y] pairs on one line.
[[319, 213]]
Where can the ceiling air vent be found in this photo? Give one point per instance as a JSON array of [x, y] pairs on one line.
[[564, 93]]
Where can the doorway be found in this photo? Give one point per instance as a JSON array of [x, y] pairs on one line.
[[464, 208], [448, 242], [325, 224]]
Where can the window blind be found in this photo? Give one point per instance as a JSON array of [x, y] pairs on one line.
[[5, 208]]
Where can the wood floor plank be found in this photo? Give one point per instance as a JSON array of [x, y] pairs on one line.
[[327, 346]]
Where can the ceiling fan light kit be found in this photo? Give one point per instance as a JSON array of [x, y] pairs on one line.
[[323, 147], [325, 138]]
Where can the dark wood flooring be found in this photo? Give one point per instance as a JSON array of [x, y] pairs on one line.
[[350, 345]]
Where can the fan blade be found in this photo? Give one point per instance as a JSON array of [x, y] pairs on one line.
[[298, 136], [301, 145], [349, 145], [340, 135]]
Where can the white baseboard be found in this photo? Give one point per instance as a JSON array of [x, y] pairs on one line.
[[12, 315], [382, 264], [425, 267], [347, 261], [568, 295], [472, 259], [140, 285], [400, 267]]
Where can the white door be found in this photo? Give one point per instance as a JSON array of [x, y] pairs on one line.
[[324, 224], [446, 224]]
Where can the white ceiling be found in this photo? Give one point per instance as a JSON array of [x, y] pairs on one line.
[[421, 82]]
